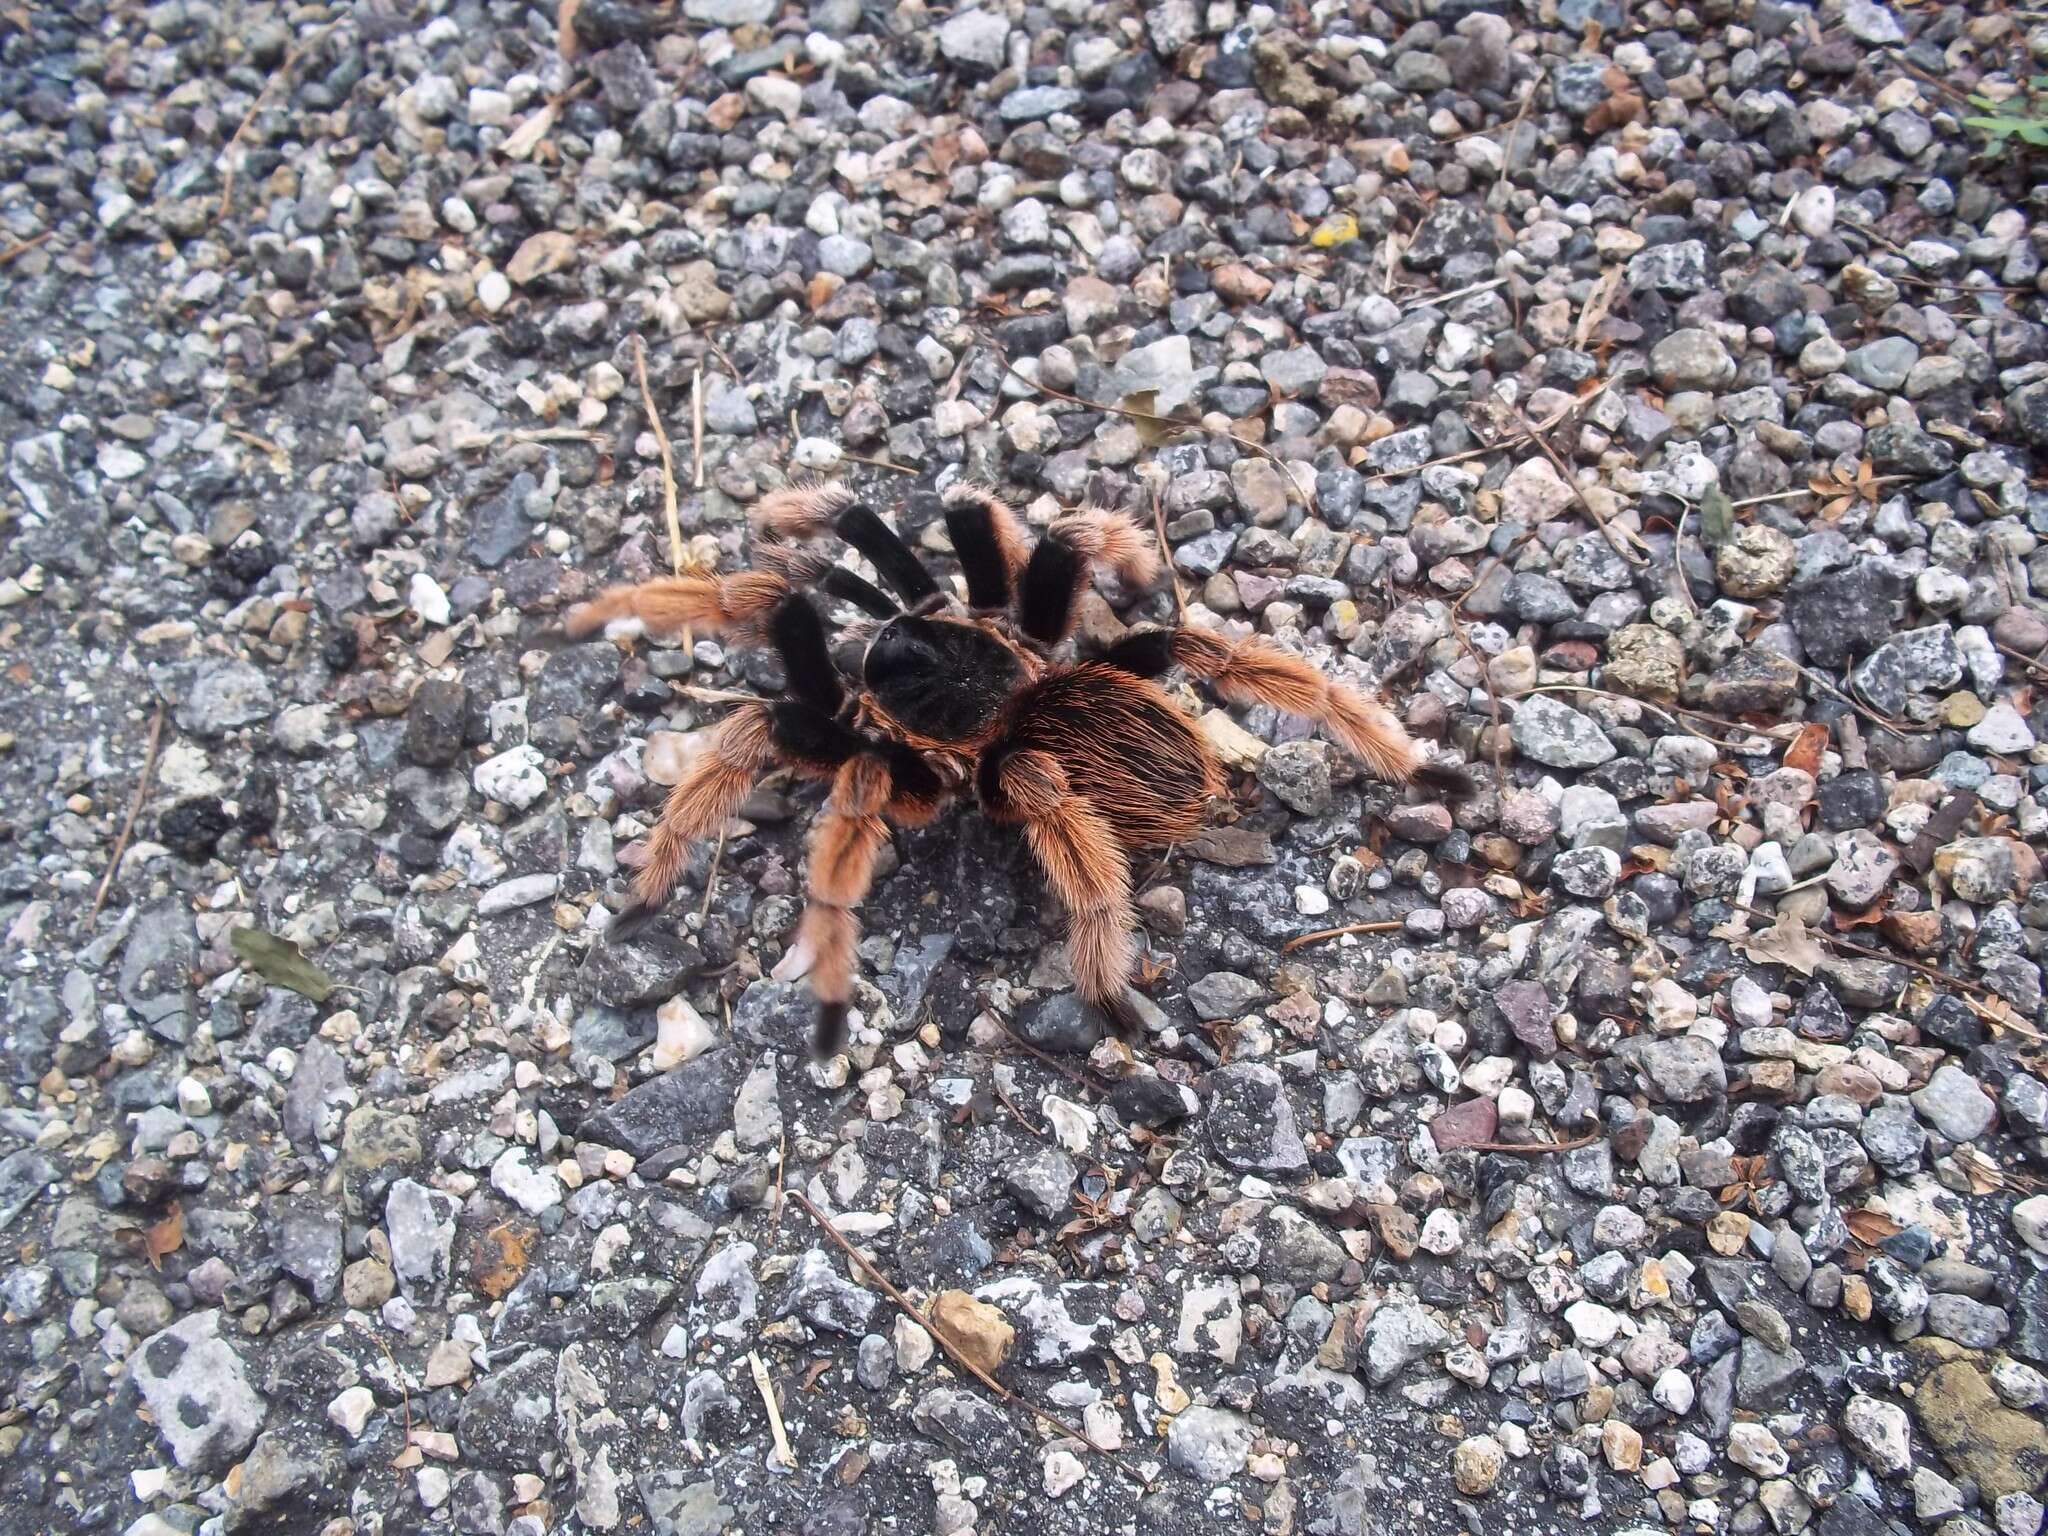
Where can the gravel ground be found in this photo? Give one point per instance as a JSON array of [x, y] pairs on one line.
[[1650, 397]]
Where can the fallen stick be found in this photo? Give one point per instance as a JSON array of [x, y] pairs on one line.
[[1086, 1084], [21, 247], [156, 736], [668, 462], [1180, 600], [711, 876], [1868, 953], [1169, 423], [953, 1351], [1530, 1148], [697, 426], [767, 1390], [229, 163], [1395, 926]]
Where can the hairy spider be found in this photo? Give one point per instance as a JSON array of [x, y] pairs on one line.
[[957, 697]]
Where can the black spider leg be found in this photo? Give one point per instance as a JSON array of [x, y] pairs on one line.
[[807, 568], [1145, 653], [886, 551], [820, 743], [798, 633], [850, 587], [1052, 580], [973, 532]]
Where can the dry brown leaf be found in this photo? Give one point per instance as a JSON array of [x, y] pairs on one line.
[[1839, 492], [565, 27], [1597, 305], [1985, 1176], [523, 140], [281, 963], [2001, 1015], [1871, 1227], [817, 1368], [1869, 917], [549, 251], [944, 152], [1787, 942], [1805, 751], [95, 1155], [918, 191], [164, 1237], [438, 647]]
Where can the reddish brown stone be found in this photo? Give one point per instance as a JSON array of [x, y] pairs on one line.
[[1469, 1124]]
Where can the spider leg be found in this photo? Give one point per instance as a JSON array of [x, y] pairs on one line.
[[1059, 567], [754, 605], [1259, 672], [703, 800], [1084, 864], [742, 746], [843, 845], [878, 777], [668, 605], [989, 542], [803, 512], [798, 633]]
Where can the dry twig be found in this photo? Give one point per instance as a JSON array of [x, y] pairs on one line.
[[156, 736], [229, 161], [1425, 300], [1500, 746], [1171, 423], [711, 877], [1180, 599], [1080, 1081], [397, 1374], [668, 462], [1656, 709], [2033, 664], [1619, 539], [1506, 445], [705, 695], [1836, 941], [22, 247], [901, 469], [1337, 933], [1896, 727], [953, 1351], [697, 427], [1678, 558], [1531, 1148], [766, 1388]]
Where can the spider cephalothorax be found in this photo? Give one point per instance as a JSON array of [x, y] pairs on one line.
[[959, 695]]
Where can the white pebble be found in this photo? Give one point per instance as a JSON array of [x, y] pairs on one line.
[[428, 600]]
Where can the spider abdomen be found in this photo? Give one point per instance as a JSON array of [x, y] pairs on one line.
[[1123, 746]]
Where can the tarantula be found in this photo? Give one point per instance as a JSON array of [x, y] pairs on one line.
[[1089, 757]]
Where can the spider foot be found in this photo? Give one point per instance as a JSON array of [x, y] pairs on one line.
[[1121, 1013], [630, 921], [828, 1039]]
